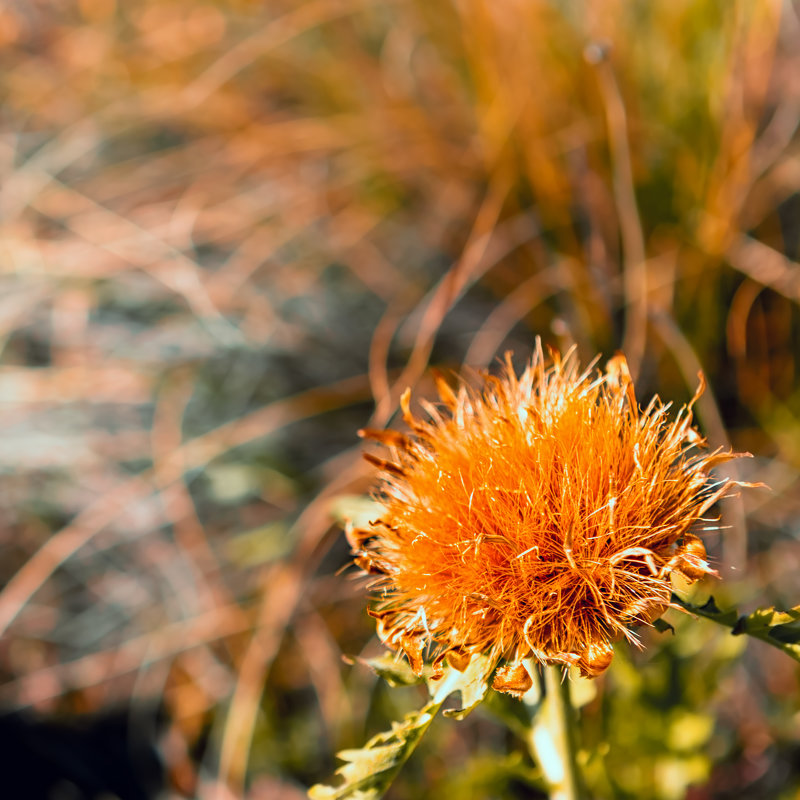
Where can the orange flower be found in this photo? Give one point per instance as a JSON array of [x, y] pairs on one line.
[[539, 516]]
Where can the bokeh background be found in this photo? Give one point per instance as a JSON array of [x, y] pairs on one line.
[[232, 232]]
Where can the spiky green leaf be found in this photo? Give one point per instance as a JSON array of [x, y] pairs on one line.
[[780, 629], [369, 771], [662, 626]]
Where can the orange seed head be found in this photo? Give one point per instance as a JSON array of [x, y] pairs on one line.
[[537, 516]]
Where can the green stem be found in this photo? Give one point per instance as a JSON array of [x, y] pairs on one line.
[[552, 738]]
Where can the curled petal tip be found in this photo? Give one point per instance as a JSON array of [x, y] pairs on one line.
[[595, 659], [513, 679]]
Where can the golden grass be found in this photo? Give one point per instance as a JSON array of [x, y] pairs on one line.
[[335, 195]]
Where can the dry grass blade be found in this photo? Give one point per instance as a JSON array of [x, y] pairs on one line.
[[228, 227], [191, 455]]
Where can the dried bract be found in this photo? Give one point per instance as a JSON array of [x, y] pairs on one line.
[[539, 516]]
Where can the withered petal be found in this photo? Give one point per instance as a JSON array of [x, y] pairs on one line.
[[619, 376], [389, 438], [447, 395], [382, 463], [458, 658], [413, 645], [513, 679], [357, 536], [595, 659], [692, 560], [370, 565], [437, 668], [644, 610], [418, 427]]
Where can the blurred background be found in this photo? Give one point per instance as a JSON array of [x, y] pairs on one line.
[[232, 232]]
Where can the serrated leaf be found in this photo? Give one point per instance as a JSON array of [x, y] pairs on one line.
[[711, 610], [763, 618], [473, 684], [777, 628], [370, 770], [785, 634]]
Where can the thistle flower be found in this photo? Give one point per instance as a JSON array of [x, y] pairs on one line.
[[538, 516]]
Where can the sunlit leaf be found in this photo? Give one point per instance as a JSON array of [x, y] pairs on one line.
[[395, 671], [472, 686], [370, 770]]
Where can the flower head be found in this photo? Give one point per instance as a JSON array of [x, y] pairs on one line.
[[538, 515]]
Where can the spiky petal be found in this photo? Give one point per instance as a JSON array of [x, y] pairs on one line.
[[538, 515]]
